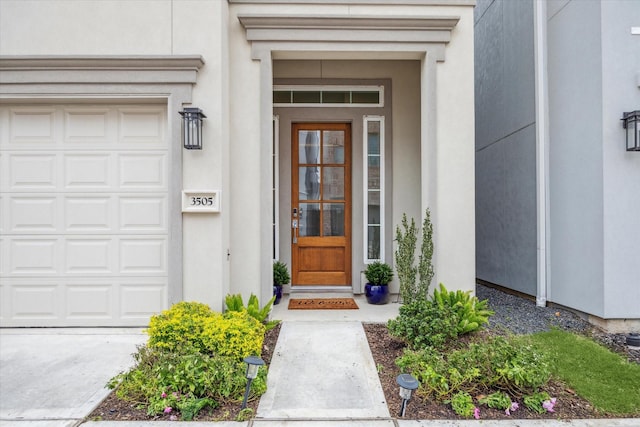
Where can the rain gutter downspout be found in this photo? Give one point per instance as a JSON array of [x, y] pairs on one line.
[[542, 149]]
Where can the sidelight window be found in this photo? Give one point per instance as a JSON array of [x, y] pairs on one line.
[[373, 167]]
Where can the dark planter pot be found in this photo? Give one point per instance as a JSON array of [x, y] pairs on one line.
[[376, 294], [277, 291]]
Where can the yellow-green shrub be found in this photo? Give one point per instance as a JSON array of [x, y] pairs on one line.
[[190, 326], [235, 334], [181, 327]]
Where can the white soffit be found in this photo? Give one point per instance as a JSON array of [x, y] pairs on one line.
[[370, 29]]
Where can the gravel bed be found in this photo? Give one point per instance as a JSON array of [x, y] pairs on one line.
[[522, 316]]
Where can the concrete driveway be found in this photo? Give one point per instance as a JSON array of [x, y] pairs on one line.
[[56, 377]]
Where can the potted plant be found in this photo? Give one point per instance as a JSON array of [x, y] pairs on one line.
[[280, 277], [378, 275]]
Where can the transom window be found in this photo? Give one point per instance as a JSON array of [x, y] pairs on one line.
[[328, 96]]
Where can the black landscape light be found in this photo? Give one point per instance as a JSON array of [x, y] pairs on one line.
[[407, 384], [192, 128], [631, 122], [253, 363]]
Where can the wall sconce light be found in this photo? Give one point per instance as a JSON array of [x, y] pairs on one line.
[[407, 384], [192, 128], [631, 122], [253, 363]]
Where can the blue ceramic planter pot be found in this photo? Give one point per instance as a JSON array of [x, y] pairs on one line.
[[277, 291], [376, 294]]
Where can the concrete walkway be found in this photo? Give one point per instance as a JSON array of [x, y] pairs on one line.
[[322, 370]]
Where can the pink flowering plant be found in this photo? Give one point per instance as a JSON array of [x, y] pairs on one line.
[[540, 402]]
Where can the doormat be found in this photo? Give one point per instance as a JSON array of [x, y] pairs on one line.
[[323, 304]]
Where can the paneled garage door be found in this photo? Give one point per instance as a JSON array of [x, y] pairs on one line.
[[83, 214]]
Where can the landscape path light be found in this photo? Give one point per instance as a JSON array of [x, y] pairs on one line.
[[407, 384], [253, 364]]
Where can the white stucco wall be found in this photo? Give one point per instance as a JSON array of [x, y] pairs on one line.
[[139, 28], [229, 89]]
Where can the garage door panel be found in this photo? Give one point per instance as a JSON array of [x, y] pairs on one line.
[[84, 214], [88, 214], [32, 171], [87, 126], [33, 125], [142, 171], [34, 213], [139, 126], [34, 256], [35, 300], [86, 171], [143, 256], [142, 299], [90, 301], [141, 213], [89, 256]]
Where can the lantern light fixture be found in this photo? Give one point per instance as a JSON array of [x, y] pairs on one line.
[[631, 122], [192, 128], [253, 364], [407, 384]]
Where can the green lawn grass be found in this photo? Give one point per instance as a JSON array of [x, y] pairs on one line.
[[604, 378]]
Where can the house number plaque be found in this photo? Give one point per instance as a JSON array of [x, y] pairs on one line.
[[201, 201]]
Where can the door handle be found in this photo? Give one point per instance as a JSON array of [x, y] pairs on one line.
[[294, 232]]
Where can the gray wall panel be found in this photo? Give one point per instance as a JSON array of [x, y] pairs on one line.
[[575, 151]]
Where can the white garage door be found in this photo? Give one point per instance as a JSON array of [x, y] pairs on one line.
[[83, 214]]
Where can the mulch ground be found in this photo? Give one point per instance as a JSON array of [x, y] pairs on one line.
[[385, 349]]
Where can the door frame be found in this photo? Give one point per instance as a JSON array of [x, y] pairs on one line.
[[285, 117], [299, 244]]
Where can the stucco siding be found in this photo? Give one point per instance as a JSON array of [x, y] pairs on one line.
[[621, 169], [505, 145], [576, 203]]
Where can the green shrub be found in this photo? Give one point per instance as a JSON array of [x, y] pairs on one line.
[[186, 383], [462, 404], [378, 273], [512, 365], [497, 400], [534, 401], [415, 281], [437, 376], [280, 273], [424, 324], [188, 327], [235, 303], [471, 313]]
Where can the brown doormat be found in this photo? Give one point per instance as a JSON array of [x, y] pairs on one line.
[[323, 304]]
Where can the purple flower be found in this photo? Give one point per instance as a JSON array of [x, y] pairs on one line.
[[167, 410], [476, 413], [163, 395], [549, 404], [514, 406]]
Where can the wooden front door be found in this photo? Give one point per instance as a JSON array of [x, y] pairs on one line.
[[321, 204]]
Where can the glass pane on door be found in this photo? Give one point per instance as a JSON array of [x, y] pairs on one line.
[[333, 146], [309, 223], [333, 219], [333, 183], [309, 147], [309, 183]]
